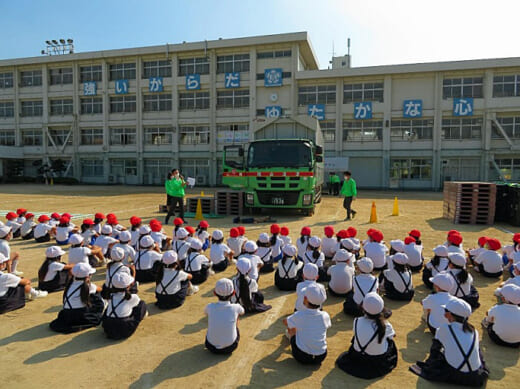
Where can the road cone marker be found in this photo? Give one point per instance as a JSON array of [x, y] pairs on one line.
[[198, 212], [395, 211], [373, 213]]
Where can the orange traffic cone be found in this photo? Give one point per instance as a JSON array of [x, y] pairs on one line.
[[198, 212], [373, 213], [395, 211]]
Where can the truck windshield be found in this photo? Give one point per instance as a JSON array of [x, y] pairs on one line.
[[266, 154]]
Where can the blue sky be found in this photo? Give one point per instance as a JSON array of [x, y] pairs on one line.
[[381, 32]]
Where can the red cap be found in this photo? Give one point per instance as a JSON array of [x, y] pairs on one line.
[[135, 221], [88, 222], [99, 215], [64, 220], [306, 231], [482, 240], [370, 231], [409, 239], [233, 232], [66, 214], [155, 225], [455, 239], [111, 218], [44, 218], [55, 215], [20, 211], [29, 215], [190, 230], [494, 244], [352, 232], [241, 230], [284, 231], [343, 234], [377, 236], [204, 224], [516, 237], [275, 229], [452, 232], [415, 233], [178, 221], [11, 216], [329, 231]]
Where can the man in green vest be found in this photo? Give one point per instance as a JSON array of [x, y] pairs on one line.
[[349, 190], [175, 190], [334, 182]]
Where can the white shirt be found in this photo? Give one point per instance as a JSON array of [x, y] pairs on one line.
[[255, 262], [277, 247], [203, 236], [311, 330], [222, 323], [442, 266], [134, 237], [62, 233], [97, 228], [465, 287], [289, 269], [218, 252], [452, 353], [377, 253], [104, 241], [513, 281], [146, 259], [491, 261], [42, 229], [174, 286], [235, 244], [253, 287], [363, 284], [123, 308], [436, 302], [113, 270], [506, 319], [74, 295], [8, 280], [79, 254], [54, 222], [300, 293], [329, 246], [365, 330], [26, 227], [15, 226], [414, 253], [476, 252], [194, 262], [21, 219], [309, 258], [52, 270], [5, 248], [88, 234], [264, 253], [158, 237], [286, 239], [302, 247], [393, 277], [116, 229], [341, 277], [181, 247], [455, 249], [130, 253]]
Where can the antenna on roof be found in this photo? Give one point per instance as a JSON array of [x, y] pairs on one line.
[[348, 47]]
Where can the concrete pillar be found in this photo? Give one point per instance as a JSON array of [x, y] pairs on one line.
[[175, 112], [437, 133], [45, 102], [212, 118], [139, 136], [339, 117], [387, 116]]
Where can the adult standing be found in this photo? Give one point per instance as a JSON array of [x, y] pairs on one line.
[[175, 194], [334, 183], [349, 190]]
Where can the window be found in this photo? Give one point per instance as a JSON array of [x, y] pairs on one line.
[[509, 168], [157, 69], [232, 133], [60, 136], [31, 78], [91, 136], [274, 54], [91, 105], [7, 137], [462, 87], [194, 135], [122, 71], [91, 167], [233, 98], [468, 128], [193, 66], [362, 130], [411, 169], [6, 109], [328, 128], [6, 80], [61, 107], [32, 137], [155, 170], [123, 167], [60, 76], [411, 129], [511, 126], [157, 102], [193, 100], [506, 86], [233, 63], [122, 136], [319, 94], [195, 168], [368, 91], [90, 73], [125, 103], [32, 108], [261, 76], [461, 169], [158, 135]]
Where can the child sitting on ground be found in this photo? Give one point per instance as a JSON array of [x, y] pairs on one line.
[[288, 272]]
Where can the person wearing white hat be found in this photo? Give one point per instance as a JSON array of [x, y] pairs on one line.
[[263, 251], [250, 251], [181, 245], [138, 233], [503, 320], [125, 243], [307, 328], [515, 280], [223, 335], [80, 252], [53, 274], [351, 246], [310, 278], [341, 274], [114, 267], [314, 255], [106, 241], [364, 283], [83, 305], [197, 264], [373, 352], [397, 281], [455, 355], [434, 304], [289, 271], [463, 287], [147, 261], [246, 289], [173, 284], [437, 264], [12, 259], [220, 254], [125, 310]]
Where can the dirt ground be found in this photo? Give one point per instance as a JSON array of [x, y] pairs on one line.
[[167, 349]]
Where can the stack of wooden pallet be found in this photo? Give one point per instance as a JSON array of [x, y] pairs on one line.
[[230, 202], [469, 202], [207, 203]]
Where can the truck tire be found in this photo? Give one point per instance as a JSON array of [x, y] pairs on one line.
[[309, 211]]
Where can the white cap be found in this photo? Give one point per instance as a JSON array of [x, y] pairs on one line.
[[106, 229], [243, 265], [349, 244], [315, 242], [125, 236], [250, 246], [365, 265], [457, 259], [263, 238], [373, 304], [315, 295], [181, 233], [122, 280], [443, 280], [3, 258], [517, 266], [195, 244], [169, 257], [224, 287], [52, 252], [400, 258], [458, 307], [4, 231], [144, 229], [441, 251], [397, 245], [511, 293], [117, 254], [310, 271], [146, 241], [289, 250], [82, 270], [342, 256], [76, 239], [217, 235]]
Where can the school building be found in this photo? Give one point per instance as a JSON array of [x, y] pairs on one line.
[[129, 116]]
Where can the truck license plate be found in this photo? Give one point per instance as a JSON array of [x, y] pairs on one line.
[[277, 201]]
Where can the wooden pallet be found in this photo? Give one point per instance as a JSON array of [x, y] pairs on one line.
[[229, 202], [469, 202], [207, 203]]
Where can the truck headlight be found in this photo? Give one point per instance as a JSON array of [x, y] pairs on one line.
[[250, 198], [307, 199]]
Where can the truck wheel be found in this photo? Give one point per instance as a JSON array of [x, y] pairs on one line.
[[309, 211]]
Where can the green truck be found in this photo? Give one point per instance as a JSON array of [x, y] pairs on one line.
[[282, 166]]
